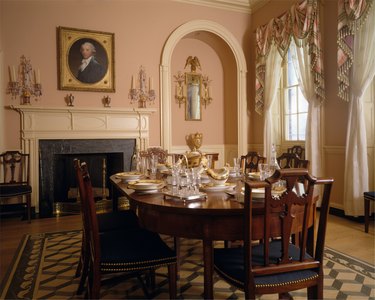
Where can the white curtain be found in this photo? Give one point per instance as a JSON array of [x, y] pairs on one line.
[[302, 66], [362, 73], [272, 80]]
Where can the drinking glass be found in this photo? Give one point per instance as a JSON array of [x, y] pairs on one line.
[[264, 170], [153, 165], [236, 165]]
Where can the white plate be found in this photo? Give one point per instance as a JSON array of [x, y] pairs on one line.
[[129, 175], [259, 193], [254, 175], [146, 184], [217, 188]]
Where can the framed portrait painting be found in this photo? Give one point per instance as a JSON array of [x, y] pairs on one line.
[[85, 60]]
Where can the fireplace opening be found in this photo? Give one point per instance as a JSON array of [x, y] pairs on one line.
[[58, 189]]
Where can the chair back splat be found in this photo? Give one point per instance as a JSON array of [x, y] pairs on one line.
[[250, 161], [14, 180], [276, 264]]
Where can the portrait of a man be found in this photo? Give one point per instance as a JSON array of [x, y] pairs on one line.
[[88, 61]]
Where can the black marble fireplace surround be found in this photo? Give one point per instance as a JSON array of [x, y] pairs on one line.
[[56, 173]]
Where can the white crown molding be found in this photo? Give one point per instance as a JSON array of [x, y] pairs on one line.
[[244, 6]]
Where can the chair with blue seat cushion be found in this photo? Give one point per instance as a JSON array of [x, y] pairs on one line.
[[276, 265], [368, 196], [14, 186], [108, 221], [133, 251]]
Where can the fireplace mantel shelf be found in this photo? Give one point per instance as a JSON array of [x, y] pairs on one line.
[[73, 109]]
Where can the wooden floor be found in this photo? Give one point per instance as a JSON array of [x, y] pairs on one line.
[[342, 234]]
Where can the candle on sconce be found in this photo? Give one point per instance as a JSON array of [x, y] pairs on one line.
[[37, 76], [10, 74], [151, 87], [14, 74], [132, 82]]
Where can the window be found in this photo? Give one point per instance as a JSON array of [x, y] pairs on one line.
[[294, 105]]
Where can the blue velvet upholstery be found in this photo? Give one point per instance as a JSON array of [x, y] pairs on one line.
[[229, 263], [122, 219], [132, 250], [13, 190]]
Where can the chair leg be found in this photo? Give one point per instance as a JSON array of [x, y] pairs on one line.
[[172, 277], [28, 204], [367, 214]]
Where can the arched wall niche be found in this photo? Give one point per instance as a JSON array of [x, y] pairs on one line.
[[166, 76]]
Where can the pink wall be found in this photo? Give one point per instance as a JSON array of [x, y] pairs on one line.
[[141, 28]]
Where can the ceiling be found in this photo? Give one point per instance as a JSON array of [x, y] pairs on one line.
[[247, 6]]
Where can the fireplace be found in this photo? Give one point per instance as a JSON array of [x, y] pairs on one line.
[[56, 172], [53, 136]]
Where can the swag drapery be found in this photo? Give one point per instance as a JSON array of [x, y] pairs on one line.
[[301, 24], [356, 70]]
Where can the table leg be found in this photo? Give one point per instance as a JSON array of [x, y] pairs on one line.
[[208, 269]]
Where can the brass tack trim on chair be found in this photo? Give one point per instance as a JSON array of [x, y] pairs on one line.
[[240, 284], [136, 269]]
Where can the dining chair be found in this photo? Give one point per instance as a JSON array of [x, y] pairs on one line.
[[291, 160], [133, 251], [108, 221], [159, 152], [276, 265], [250, 161], [15, 187], [297, 149]]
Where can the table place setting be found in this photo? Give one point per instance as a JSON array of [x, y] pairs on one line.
[[146, 185], [129, 176]]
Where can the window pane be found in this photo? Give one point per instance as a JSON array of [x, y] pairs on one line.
[[303, 105], [292, 77], [291, 101], [302, 126], [291, 127]]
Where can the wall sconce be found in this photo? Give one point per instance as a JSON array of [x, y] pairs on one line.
[[24, 83], [139, 92], [193, 90]]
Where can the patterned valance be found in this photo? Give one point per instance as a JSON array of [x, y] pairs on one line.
[[300, 23], [351, 15]]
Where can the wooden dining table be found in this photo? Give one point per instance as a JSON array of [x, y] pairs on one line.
[[219, 217]]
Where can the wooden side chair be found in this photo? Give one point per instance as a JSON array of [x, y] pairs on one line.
[[14, 185], [159, 152], [291, 160], [131, 251], [250, 161], [297, 149], [276, 265], [109, 221]]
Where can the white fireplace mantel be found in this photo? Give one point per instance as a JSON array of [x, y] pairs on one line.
[[41, 123]]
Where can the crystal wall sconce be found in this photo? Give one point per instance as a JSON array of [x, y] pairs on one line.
[[139, 92], [24, 82]]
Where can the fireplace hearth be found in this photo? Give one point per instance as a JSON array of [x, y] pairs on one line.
[[56, 172]]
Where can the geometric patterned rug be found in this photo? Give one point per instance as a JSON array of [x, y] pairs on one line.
[[44, 266]]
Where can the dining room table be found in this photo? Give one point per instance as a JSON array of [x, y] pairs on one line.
[[217, 217]]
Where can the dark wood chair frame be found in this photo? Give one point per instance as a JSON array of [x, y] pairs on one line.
[[297, 149], [367, 197], [93, 236], [15, 167], [303, 263], [250, 161], [291, 160]]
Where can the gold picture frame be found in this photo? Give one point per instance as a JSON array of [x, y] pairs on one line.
[[97, 74]]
